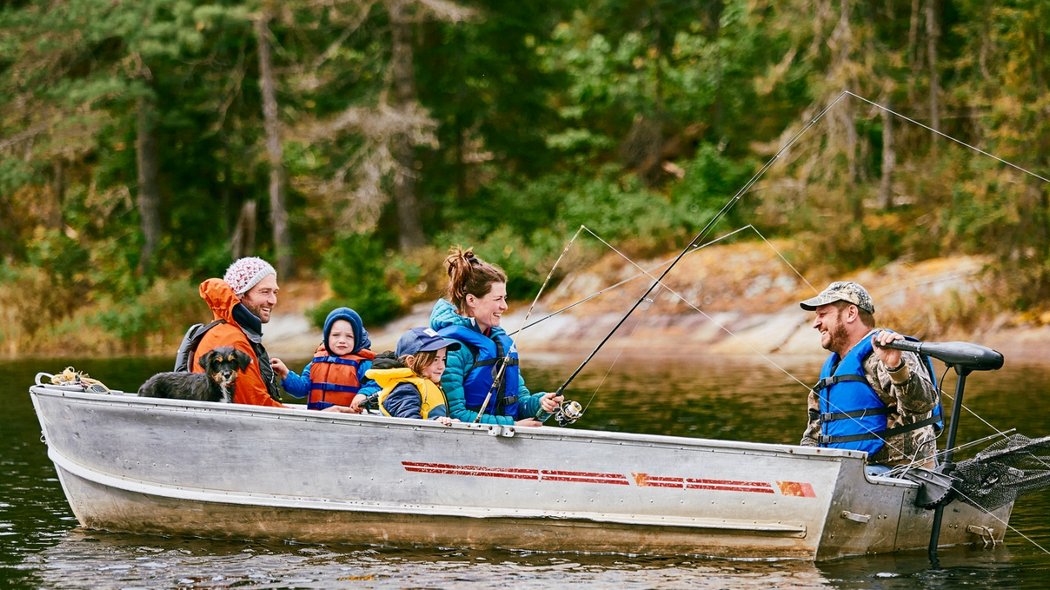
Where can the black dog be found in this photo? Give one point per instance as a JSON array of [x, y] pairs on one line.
[[215, 384]]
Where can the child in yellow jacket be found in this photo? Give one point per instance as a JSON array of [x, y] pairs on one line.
[[411, 388]]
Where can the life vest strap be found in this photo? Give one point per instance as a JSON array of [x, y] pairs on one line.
[[825, 439], [336, 361], [336, 387], [487, 362], [829, 381], [507, 401], [863, 413], [933, 419], [885, 434]]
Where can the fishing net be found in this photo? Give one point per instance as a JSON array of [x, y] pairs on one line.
[[1002, 471]]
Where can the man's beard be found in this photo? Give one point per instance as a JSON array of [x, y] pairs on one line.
[[838, 339]]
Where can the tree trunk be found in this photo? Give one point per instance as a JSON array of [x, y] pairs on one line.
[[410, 230], [282, 241], [932, 36], [889, 161], [913, 48], [148, 198], [53, 217], [984, 53], [712, 20], [243, 240]]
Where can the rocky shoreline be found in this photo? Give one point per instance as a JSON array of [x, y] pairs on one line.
[[746, 306]]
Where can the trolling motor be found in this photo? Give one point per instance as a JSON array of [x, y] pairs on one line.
[[965, 358]]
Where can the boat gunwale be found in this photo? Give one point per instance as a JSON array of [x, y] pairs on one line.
[[542, 432]]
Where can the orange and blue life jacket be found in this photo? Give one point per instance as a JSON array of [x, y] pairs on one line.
[[335, 380]]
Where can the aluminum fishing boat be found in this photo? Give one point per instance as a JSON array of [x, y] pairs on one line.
[[145, 465]]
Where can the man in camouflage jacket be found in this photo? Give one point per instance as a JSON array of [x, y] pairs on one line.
[[845, 318]]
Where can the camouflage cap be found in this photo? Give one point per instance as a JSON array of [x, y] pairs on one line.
[[841, 291]]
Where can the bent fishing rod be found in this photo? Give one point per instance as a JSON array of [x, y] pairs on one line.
[[696, 241]]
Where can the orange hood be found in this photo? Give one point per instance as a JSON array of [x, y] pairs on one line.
[[220, 298]]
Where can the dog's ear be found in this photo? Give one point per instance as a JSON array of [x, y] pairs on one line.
[[243, 360], [205, 360]]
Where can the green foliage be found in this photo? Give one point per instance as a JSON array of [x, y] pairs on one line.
[[355, 268], [710, 180], [640, 120], [65, 264]]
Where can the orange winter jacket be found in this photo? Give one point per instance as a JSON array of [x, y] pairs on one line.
[[250, 387]]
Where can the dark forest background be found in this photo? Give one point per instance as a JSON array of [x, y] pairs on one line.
[[145, 144]]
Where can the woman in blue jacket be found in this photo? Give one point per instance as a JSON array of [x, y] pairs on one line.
[[482, 377]]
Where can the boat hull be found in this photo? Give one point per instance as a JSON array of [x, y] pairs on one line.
[[222, 470]]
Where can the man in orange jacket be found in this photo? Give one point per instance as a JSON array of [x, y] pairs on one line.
[[244, 299]]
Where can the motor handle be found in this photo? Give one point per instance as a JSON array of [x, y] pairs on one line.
[[957, 354]]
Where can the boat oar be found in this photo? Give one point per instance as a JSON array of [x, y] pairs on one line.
[[965, 358]]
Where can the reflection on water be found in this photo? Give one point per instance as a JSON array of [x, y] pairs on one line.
[[40, 545], [88, 559]]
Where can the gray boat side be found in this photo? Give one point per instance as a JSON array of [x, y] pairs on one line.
[[224, 470]]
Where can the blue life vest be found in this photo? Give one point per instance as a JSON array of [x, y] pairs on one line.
[[852, 414], [490, 355]]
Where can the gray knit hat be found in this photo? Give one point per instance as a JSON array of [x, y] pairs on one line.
[[245, 273]]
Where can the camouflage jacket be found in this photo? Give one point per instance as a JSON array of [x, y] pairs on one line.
[[910, 395]]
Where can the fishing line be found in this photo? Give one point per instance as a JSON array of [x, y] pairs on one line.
[[658, 281], [765, 357], [550, 274], [744, 189], [703, 233], [984, 153], [697, 309], [722, 327], [770, 361], [625, 281], [946, 136]]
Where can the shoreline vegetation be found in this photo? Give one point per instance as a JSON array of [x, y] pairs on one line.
[[146, 145], [742, 300]]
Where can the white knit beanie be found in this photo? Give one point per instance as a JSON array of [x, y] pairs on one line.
[[245, 273]]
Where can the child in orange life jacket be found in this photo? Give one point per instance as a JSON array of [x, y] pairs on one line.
[[411, 389], [336, 374]]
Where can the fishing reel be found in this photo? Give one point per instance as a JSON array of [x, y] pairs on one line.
[[568, 412]]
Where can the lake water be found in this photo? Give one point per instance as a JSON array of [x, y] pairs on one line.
[[41, 545]]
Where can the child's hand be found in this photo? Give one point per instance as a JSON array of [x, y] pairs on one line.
[[355, 404], [279, 367], [444, 421], [340, 409]]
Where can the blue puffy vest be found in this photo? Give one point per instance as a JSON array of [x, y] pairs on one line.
[[852, 414], [490, 354]]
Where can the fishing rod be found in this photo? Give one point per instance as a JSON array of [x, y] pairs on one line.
[[696, 241]]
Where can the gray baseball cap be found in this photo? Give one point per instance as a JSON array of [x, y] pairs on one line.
[[841, 291]]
